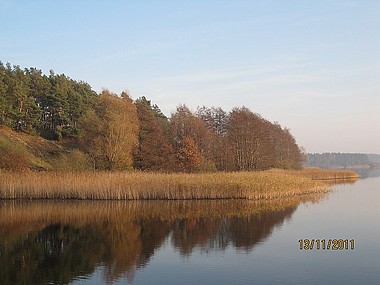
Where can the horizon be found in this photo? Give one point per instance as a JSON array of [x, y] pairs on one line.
[[314, 67]]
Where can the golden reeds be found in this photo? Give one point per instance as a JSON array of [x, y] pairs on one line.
[[323, 174], [155, 186]]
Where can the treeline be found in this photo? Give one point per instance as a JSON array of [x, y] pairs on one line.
[[117, 133], [47, 105], [341, 160]]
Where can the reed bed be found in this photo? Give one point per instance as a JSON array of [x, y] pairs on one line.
[[323, 174], [156, 186]]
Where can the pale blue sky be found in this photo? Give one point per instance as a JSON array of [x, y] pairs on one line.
[[313, 66]]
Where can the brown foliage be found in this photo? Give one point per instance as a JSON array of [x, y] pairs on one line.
[[192, 141], [110, 131], [154, 151], [243, 140], [188, 155]]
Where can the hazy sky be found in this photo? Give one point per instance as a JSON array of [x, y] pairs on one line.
[[313, 66]]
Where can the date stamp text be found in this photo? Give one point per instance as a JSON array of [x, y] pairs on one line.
[[326, 244]]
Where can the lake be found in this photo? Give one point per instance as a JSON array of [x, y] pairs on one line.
[[195, 242]]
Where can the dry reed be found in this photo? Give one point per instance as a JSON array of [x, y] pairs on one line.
[[155, 186], [324, 174]]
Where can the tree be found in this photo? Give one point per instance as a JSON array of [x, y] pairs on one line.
[[36, 103], [112, 127], [216, 121], [189, 155], [64, 104], [242, 136], [189, 131], [287, 153], [5, 104], [19, 110], [154, 151]]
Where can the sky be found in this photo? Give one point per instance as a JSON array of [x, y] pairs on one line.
[[312, 66]]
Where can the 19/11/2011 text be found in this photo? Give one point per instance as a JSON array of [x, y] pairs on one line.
[[327, 244]]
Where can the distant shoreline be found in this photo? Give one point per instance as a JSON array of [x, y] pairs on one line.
[[336, 160], [270, 184]]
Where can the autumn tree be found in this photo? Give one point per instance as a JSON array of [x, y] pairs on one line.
[[189, 156], [189, 131], [154, 151], [216, 121], [248, 139], [288, 154], [110, 131]]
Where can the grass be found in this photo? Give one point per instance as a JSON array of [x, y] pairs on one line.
[[270, 184], [21, 152]]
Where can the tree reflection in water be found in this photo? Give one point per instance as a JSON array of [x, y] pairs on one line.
[[55, 242]]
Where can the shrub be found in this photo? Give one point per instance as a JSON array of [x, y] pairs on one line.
[[75, 160]]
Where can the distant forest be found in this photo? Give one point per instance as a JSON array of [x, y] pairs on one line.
[[342, 160], [115, 132]]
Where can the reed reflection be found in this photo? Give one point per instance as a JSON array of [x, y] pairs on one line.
[[57, 242]]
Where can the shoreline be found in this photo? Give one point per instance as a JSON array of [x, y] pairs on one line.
[[262, 185]]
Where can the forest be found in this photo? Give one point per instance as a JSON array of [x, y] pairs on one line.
[[107, 131], [342, 160]]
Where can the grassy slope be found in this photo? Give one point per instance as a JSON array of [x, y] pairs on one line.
[[20, 151]]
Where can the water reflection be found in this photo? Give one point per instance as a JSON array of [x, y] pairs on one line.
[[368, 172], [55, 242]]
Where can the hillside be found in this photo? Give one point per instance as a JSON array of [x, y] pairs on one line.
[[21, 151]]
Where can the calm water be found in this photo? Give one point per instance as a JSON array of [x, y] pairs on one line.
[[193, 242]]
